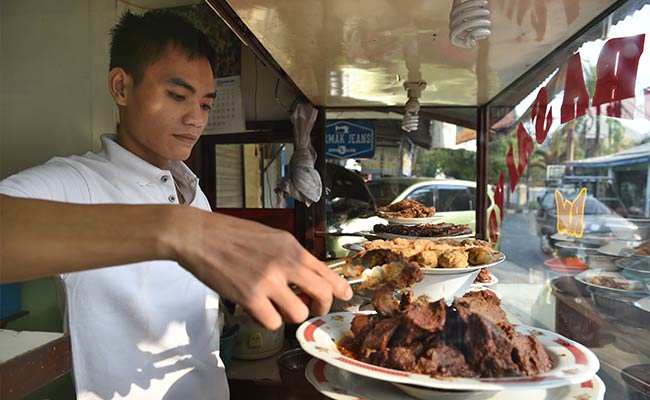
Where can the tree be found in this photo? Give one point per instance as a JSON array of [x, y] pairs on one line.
[[458, 164]]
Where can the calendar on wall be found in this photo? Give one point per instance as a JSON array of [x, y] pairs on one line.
[[227, 114]]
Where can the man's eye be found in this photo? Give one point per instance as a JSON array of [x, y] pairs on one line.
[[206, 107], [176, 96]]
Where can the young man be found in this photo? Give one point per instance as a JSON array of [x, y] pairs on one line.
[[149, 329]]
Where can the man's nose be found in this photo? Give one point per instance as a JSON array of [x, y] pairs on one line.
[[196, 117]]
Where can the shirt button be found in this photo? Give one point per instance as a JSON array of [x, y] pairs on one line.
[[164, 178], [172, 198]]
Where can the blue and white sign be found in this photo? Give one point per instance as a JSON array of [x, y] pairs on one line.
[[350, 139]]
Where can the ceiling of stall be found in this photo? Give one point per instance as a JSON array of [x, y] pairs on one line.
[[343, 53]]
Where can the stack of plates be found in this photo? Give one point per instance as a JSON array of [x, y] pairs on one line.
[[340, 384], [340, 377]]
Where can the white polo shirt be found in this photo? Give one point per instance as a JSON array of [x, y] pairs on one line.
[[140, 331]]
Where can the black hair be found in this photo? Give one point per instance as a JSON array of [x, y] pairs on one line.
[[139, 41]]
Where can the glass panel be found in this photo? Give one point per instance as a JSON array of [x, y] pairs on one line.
[[597, 159]]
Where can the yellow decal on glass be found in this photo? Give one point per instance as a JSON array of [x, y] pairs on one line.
[[571, 214]]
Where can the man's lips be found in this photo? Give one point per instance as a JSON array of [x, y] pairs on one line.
[[191, 139]]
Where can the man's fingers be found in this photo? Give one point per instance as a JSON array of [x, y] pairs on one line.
[[340, 287], [289, 304], [263, 311], [316, 287]]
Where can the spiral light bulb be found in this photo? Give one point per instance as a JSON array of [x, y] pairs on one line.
[[469, 21], [411, 109]]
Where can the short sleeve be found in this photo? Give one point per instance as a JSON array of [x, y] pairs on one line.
[[55, 180]]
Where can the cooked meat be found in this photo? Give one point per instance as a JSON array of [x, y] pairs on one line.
[[427, 316], [529, 355], [425, 230], [487, 349], [444, 360], [407, 209], [362, 323], [402, 358], [384, 303], [483, 276], [470, 338], [480, 302], [378, 337]]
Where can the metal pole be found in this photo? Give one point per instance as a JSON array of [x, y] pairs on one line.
[[482, 155]]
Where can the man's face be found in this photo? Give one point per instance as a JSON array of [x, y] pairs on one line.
[[165, 113]]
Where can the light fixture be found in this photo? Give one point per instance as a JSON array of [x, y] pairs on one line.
[[469, 21], [412, 106]]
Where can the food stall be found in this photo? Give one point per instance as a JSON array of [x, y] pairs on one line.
[[522, 89], [392, 86]]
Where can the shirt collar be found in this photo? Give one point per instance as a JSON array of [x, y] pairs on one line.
[[142, 172]]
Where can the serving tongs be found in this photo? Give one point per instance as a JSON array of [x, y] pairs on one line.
[[377, 266], [365, 258]]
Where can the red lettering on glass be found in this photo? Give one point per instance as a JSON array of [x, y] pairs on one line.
[[576, 98], [617, 66], [525, 148], [542, 125], [493, 226]]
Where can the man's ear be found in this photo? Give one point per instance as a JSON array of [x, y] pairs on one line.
[[118, 83]]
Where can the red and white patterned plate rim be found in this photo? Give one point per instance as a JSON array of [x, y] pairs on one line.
[[573, 363], [331, 382]]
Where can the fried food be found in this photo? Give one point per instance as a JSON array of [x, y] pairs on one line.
[[429, 253], [453, 259], [480, 256], [427, 259]]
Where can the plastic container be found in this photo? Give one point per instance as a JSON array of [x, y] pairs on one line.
[[620, 308], [569, 321], [637, 381], [291, 364]]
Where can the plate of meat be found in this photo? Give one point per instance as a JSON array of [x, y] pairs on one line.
[[466, 346], [423, 231], [339, 384], [406, 209], [611, 281]]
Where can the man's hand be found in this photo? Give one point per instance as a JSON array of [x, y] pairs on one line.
[[253, 266]]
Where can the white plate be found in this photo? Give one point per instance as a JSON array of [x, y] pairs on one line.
[[391, 236], [587, 276], [573, 363], [630, 252], [643, 303], [412, 221], [339, 384], [636, 264], [493, 281], [616, 248]]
